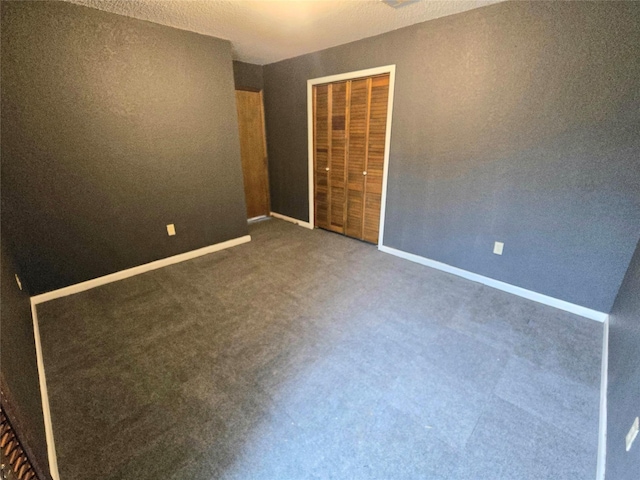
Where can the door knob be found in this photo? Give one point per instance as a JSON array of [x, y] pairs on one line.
[[364, 173], [327, 169]]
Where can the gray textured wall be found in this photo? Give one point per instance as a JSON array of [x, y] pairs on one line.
[[516, 122], [247, 75], [623, 396], [112, 128], [18, 367]]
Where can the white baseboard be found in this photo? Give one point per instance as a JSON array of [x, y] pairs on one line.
[[130, 272], [44, 397], [292, 220], [81, 287], [604, 385], [506, 287]]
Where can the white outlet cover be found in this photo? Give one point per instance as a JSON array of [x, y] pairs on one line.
[[171, 229], [633, 433], [498, 247]]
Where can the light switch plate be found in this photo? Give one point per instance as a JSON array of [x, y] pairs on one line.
[[171, 229], [498, 247], [633, 433]]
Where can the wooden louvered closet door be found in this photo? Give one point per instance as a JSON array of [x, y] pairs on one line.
[[350, 121], [338, 155], [375, 157]]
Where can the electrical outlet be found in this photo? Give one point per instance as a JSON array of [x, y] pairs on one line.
[[18, 281], [171, 229], [633, 433], [498, 247]]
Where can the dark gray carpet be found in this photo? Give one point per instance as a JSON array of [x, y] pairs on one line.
[[308, 355]]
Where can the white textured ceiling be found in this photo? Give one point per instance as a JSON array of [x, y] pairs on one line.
[[265, 31]]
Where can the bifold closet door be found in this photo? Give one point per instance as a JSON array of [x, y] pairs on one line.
[[321, 146], [338, 156], [357, 165], [378, 103], [349, 138], [330, 148]]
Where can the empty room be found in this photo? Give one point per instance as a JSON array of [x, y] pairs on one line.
[[320, 239]]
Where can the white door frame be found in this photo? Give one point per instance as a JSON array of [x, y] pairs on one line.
[[391, 70]]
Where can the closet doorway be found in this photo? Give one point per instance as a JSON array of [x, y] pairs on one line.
[[350, 119]]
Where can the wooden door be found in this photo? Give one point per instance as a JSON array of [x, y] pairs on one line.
[[330, 154], [350, 120], [358, 140], [253, 151], [378, 102], [321, 156], [338, 157]]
